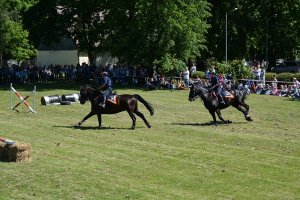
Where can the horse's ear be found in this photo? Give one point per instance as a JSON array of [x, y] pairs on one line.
[[191, 84]]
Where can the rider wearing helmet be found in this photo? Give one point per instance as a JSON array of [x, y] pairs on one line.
[[105, 87], [216, 87]]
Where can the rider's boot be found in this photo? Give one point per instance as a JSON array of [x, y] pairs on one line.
[[102, 104], [221, 100]]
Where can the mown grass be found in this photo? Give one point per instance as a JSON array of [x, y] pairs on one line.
[[181, 157]]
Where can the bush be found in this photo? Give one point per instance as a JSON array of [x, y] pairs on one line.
[[287, 77], [199, 74], [297, 76], [236, 68], [270, 76]]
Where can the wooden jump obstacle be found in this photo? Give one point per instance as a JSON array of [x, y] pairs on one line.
[[23, 99]]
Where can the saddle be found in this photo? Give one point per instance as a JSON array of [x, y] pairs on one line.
[[227, 94], [113, 98]]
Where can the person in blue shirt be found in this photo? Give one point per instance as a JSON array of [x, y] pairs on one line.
[[105, 87], [216, 87]]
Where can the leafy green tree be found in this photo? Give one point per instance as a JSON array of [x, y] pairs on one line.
[[14, 42], [148, 31], [81, 20], [257, 30], [133, 30]]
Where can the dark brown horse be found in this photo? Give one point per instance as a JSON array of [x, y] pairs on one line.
[[119, 103], [211, 103]]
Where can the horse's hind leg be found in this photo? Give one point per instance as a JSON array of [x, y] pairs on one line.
[[221, 118], [99, 120], [244, 110], [138, 113]]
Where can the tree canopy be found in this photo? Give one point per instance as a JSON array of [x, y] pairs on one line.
[[14, 41], [134, 31], [160, 32]]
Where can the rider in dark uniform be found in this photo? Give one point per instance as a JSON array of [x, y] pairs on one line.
[[216, 87], [105, 87]]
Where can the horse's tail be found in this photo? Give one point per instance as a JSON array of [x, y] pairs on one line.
[[148, 105]]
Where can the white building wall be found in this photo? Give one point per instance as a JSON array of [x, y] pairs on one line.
[[57, 57]]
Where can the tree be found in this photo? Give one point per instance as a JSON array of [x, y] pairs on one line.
[[148, 31], [14, 38], [133, 30], [81, 20], [257, 30], [16, 43]]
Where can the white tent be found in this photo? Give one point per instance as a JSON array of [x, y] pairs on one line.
[[12, 62]]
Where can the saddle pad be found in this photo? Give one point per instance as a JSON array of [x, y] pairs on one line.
[[228, 94], [112, 98]]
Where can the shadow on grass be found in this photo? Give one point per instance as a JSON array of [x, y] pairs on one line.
[[207, 123], [91, 128]]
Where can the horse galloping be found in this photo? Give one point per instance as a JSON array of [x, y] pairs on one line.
[[212, 104], [124, 102]]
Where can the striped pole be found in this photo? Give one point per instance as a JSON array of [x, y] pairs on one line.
[[23, 100]]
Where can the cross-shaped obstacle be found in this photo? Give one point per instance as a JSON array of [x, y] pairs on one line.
[[23, 99]]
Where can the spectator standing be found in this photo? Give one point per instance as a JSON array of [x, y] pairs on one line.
[[193, 69], [296, 83], [257, 71], [186, 77]]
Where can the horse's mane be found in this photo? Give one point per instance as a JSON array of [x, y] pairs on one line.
[[200, 87]]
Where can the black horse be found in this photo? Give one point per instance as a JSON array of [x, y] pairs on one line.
[[116, 104], [211, 102]]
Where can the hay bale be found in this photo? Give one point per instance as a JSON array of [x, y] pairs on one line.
[[3, 154], [19, 152]]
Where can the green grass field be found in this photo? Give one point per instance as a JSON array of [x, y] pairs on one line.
[[180, 157]]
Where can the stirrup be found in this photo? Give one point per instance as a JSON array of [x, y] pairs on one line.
[[102, 105]]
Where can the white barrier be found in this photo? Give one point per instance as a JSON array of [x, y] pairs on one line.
[[23, 99]]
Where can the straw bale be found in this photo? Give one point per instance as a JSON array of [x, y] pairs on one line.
[[2, 151], [19, 152]]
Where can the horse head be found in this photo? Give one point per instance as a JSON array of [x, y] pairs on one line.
[[196, 89], [86, 94]]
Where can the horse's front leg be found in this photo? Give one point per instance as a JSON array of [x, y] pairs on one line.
[[213, 116], [133, 119], [85, 118], [221, 118]]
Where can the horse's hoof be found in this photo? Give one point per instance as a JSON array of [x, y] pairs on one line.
[[229, 122], [249, 119], [99, 127]]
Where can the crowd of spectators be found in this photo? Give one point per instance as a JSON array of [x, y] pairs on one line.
[[274, 88], [121, 74], [139, 75]]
